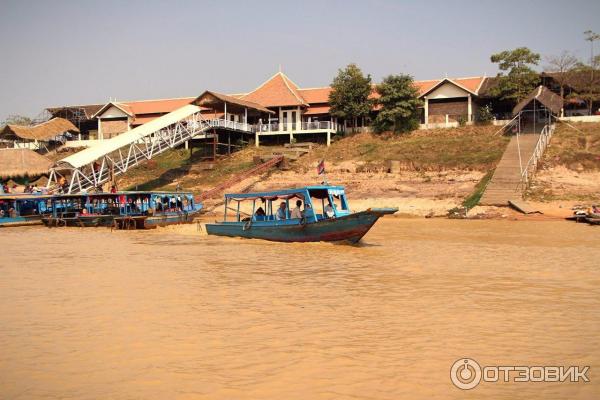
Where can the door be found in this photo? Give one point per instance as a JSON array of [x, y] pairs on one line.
[[289, 120]]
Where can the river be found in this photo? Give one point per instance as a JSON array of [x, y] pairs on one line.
[[176, 314]]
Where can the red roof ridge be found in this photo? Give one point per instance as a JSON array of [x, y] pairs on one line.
[[315, 88], [148, 100], [294, 90]]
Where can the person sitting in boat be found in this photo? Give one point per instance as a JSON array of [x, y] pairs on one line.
[[281, 211], [12, 213], [328, 211], [260, 212], [297, 212]]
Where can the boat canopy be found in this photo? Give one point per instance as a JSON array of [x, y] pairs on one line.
[[318, 192]]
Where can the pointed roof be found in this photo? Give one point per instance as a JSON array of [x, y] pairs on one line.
[[277, 91], [121, 106], [550, 100]]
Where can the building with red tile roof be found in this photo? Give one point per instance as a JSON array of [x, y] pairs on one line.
[[445, 101]]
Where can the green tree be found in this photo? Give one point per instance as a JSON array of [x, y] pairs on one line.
[[399, 101], [517, 77], [349, 97]]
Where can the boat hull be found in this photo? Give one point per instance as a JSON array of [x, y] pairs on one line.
[[20, 221], [350, 228], [154, 221], [89, 221]]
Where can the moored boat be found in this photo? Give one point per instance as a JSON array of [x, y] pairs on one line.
[[122, 210], [23, 209], [326, 216], [83, 210], [159, 209]]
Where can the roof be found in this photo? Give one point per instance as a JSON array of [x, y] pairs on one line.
[[87, 109], [486, 85], [315, 95], [89, 155], [318, 109], [549, 99], [470, 85], [22, 162], [281, 193], [121, 106], [277, 91], [213, 100], [162, 106], [45, 131]]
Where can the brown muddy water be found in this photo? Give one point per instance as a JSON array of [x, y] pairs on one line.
[[175, 314]]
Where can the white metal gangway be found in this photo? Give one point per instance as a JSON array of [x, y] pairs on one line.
[[94, 166]]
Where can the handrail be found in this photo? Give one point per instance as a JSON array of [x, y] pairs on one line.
[[238, 178], [540, 147], [508, 124]]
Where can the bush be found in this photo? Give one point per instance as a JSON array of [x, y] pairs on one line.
[[485, 115], [462, 121]]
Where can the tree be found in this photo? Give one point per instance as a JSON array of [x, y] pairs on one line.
[[586, 83], [592, 89], [399, 101], [563, 65], [520, 79], [16, 119], [349, 97]]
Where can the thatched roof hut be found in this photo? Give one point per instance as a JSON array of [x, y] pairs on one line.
[[22, 162], [545, 96], [44, 132]]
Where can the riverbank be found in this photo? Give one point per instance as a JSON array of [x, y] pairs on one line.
[[434, 170]]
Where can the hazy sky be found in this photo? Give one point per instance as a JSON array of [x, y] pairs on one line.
[[80, 52]]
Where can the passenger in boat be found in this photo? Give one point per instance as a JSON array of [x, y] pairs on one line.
[[281, 212], [328, 211], [260, 212], [12, 213], [297, 212]]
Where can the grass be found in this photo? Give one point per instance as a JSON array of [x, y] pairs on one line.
[[470, 148], [473, 199], [474, 148], [177, 167], [575, 146]]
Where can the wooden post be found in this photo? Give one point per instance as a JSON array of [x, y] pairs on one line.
[[214, 144], [469, 109], [426, 111]]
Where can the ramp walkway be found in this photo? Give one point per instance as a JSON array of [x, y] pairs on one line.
[[516, 167], [505, 184], [94, 166]]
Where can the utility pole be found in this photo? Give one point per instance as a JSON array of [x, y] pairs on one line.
[[591, 37]]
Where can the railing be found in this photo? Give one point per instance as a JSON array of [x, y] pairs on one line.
[[538, 152], [295, 127], [227, 124]]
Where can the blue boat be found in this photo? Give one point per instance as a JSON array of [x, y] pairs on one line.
[[148, 210], [23, 209], [122, 210], [321, 214]]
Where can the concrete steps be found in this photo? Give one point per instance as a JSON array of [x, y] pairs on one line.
[[504, 185]]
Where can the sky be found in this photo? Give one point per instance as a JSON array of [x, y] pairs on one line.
[[85, 52]]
